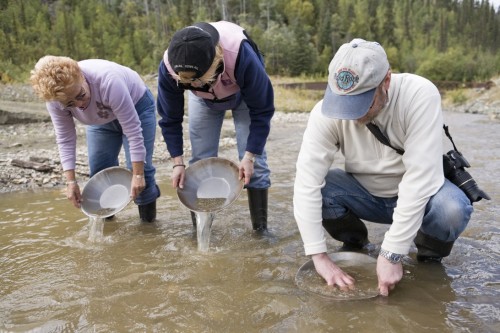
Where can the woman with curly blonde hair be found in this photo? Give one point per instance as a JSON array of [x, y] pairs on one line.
[[118, 109]]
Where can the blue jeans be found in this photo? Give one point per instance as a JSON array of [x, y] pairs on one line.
[[105, 141], [204, 132], [446, 215]]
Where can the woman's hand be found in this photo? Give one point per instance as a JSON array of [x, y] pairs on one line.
[[137, 186], [138, 182], [72, 189], [178, 174], [73, 193], [246, 167]]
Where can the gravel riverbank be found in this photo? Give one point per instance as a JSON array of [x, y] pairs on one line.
[[29, 158]]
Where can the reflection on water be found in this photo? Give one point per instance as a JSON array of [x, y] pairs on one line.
[[151, 277]]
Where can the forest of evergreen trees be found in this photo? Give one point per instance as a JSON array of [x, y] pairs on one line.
[[456, 40]]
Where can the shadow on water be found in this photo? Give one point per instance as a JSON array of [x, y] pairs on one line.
[[152, 277]]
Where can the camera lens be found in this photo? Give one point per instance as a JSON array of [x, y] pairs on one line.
[[468, 185]]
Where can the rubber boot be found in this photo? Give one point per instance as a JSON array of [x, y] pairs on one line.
[[257, 202], [193, 218], [431, 249], [147, 212], [348, 229]]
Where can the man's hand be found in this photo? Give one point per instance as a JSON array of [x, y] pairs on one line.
[[388, 274], [333, 275]]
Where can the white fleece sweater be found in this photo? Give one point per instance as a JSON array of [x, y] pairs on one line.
[[412, 120]]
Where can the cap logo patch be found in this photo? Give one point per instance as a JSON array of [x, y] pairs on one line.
[[187, 67], [346, 79]]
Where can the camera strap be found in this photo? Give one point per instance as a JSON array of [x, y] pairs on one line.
[[473, 192], [449, 137], [383, 139]]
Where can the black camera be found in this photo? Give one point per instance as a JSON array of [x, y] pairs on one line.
[[454, 165]]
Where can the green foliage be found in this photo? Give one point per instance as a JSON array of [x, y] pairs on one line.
[[456, 65], [10, 73], [324, 60], [457, 97], [301, 53], [444, 40]]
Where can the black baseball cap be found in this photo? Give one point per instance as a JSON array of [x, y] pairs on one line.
[[193, 48]]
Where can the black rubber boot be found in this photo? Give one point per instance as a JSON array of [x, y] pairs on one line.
[[147, 212], [348, 229], [431, 249], [257, 202], [193, 218]]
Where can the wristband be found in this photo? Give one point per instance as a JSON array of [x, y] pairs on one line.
[[176, 165], [139, 176], [71, 182]]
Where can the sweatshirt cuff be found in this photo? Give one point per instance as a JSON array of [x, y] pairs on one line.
[[314, 248], [396, 247]]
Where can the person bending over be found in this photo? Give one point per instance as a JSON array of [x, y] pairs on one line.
[[377, 184], [222, 69], [117, 108]]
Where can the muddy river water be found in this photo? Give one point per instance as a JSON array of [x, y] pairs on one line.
[[141, 277]]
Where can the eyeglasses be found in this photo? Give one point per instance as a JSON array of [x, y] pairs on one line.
[[206, 79], [81, 95], [195, 82]]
